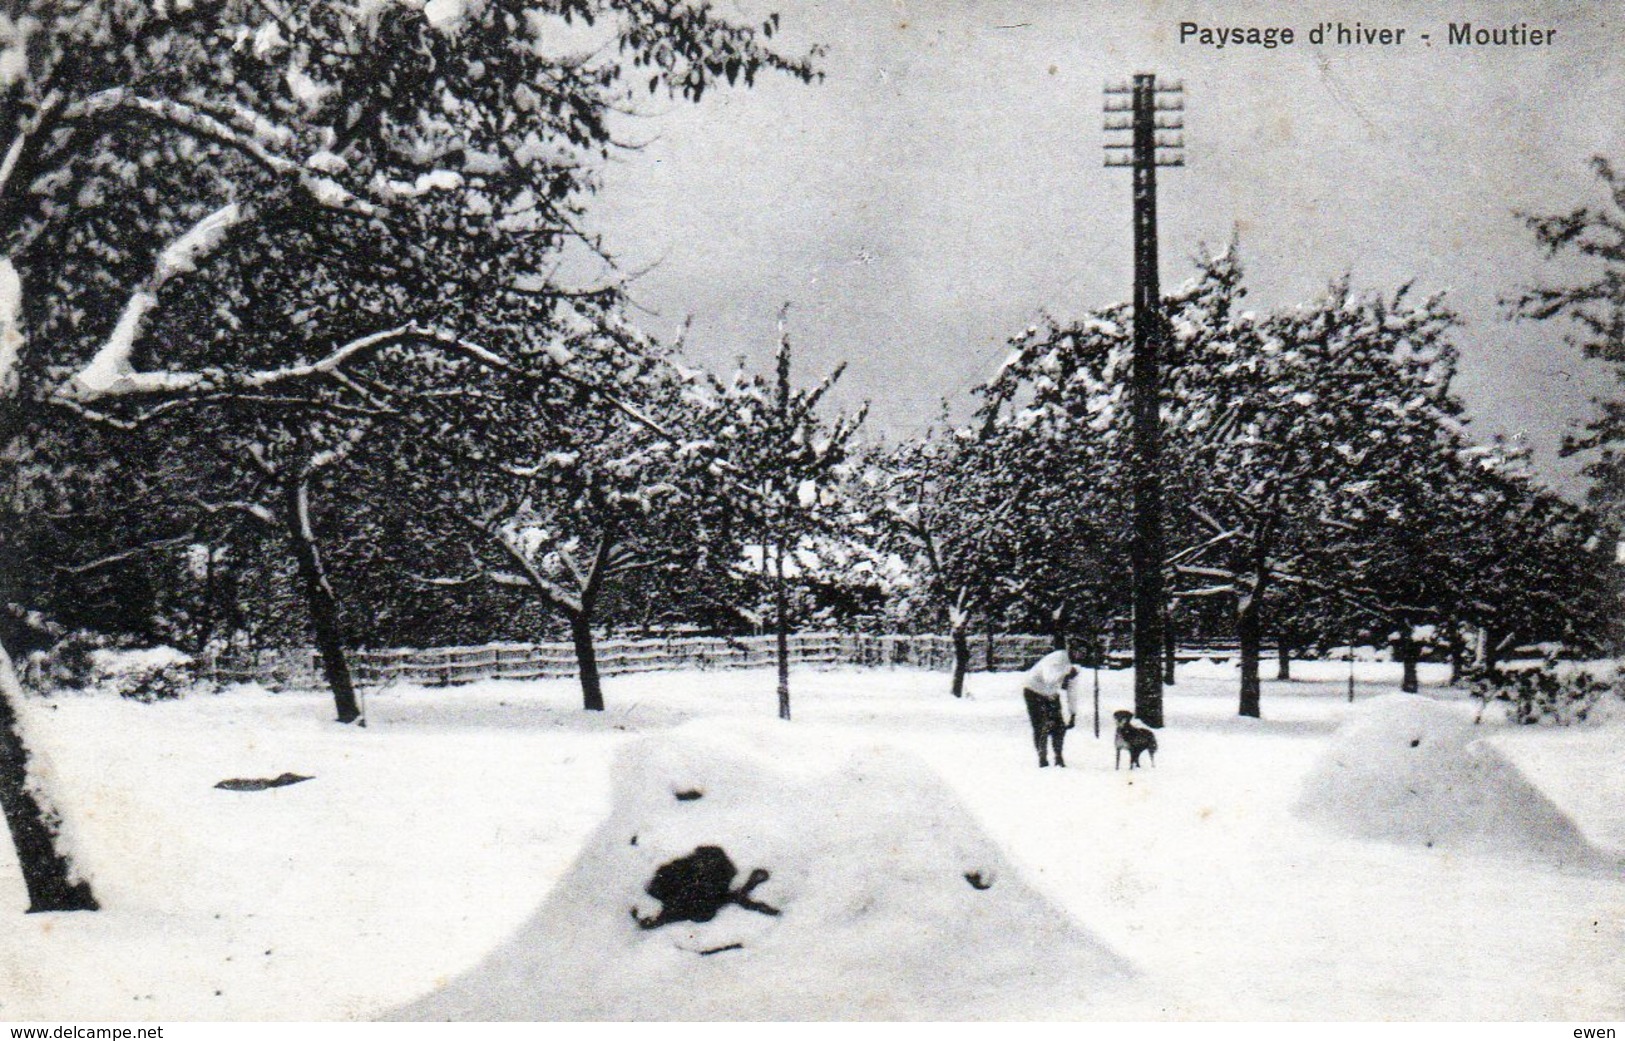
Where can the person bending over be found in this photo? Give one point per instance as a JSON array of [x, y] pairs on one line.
[[1042, 686]]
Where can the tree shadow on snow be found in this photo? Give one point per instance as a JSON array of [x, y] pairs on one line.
[[1246, 725]]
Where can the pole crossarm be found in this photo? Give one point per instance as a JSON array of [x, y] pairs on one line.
[[1145, 104]]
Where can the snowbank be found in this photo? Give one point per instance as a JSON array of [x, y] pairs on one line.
[[1411, 770], [125, 662], [859, 887], [1207, 668]]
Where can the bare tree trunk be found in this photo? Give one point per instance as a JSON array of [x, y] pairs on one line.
[[205, 626], [961, 640], [1250, 619], [47, 872], [592, 688], [781, 609], [1249, 631], [1169, 649], [1283, 658], [1409, 651], [323, 605], [1099, 661]]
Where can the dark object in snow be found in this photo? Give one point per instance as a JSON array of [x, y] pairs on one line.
[[977, 881], [724, 947], [1135, 739], [259, 784], [694, 888], [688, 795]]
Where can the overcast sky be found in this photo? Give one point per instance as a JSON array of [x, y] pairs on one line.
[[943, 186]]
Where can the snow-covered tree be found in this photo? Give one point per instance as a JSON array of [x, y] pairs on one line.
[[1311, 453], [783, 464], [558, 493], [1476, 544], [1591, 304], [1296, 423], [137, 138], [1049, 444], [942, 504]]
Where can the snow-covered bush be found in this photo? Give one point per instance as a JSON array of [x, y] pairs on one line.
[[162, 682], [139, 674], [84, 661], [72, 662], [1552, 693]]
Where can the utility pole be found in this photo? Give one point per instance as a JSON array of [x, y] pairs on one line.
[[1153, 115]]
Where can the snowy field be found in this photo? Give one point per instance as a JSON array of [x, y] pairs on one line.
[[487, 848]]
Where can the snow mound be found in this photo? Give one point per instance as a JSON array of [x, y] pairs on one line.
[[801, 875], [1411, 770]]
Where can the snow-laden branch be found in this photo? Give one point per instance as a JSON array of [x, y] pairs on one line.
[[260, 456], [635, 414], [8, 164], [103, 419], [48, 110], [1361, 598], [111, 364], [202, 125], [568, 559], [630, 564], [563, 599], [255, 510], [155, 546], [112, 377], [11, 328], [1190, 594], [446, 581], [182, 256], [1206, 572], [1192, 552], [500, 578], [558, 595], [599, 570], [1218, 529], [145, 417]]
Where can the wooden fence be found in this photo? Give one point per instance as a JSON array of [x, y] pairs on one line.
[[448, 666]]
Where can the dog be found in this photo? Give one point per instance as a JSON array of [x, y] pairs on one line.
[[1135, 739]]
